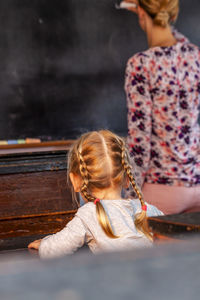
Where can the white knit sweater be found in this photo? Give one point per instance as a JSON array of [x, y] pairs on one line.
[[85, 228]]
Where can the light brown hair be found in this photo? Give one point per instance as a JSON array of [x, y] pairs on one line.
[[102, 161], [163, 12]]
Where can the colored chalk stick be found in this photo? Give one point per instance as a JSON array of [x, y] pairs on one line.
[[12, 142], [3, 143], [21, 141], [32, 140]]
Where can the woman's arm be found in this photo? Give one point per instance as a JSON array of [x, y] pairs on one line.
[[139, 105]]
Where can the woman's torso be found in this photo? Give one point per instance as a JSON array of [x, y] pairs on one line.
[[174, 87]]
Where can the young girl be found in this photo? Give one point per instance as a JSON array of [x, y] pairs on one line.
[[98, 168]]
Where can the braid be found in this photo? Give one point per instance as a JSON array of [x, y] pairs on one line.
[[85, 177], [102, 161], [129, 173], [101, 213], [140, 218]]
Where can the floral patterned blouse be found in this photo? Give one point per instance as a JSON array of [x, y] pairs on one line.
[[162, 86]]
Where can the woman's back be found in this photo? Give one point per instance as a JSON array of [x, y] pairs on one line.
[[164, 92], [162, 86]]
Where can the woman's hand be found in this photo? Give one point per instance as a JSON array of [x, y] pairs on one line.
[[133, 9], [35, 244]]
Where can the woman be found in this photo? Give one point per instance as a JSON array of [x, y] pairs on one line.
[[162, 86]]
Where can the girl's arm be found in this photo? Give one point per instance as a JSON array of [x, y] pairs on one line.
[[35, 244], [66, 241], [139, 105]]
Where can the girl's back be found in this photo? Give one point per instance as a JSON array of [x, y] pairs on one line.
[[121, 214], [86, 229]]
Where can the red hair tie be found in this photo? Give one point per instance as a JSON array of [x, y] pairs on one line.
[[144, 207], [96, 200]]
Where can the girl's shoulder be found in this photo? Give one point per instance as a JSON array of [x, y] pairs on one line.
[[86, 209], [151, 209], [89, 208]]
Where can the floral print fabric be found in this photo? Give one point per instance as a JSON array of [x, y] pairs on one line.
[[162, 86]]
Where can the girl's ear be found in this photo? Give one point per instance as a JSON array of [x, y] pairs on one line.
[[76, 181]]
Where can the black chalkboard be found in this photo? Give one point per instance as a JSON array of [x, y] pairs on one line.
[[62, 65]]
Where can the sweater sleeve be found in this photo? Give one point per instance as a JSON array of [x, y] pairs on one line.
[[153, 211], [139, 106], [66, 241]]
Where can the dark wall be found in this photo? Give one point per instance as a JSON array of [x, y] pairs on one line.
[[62, 65]]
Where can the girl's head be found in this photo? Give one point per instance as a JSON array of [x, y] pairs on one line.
[[96, 161], [98, 164], [162, 12]]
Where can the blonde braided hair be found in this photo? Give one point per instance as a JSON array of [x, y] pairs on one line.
[[101, 214], [83, 160], [140, 218], [85, 177], [102, 161]]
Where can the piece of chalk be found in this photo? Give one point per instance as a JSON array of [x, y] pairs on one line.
[[125, 5], [12, 142], [21, 141], [32, 140], [3, 143]]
